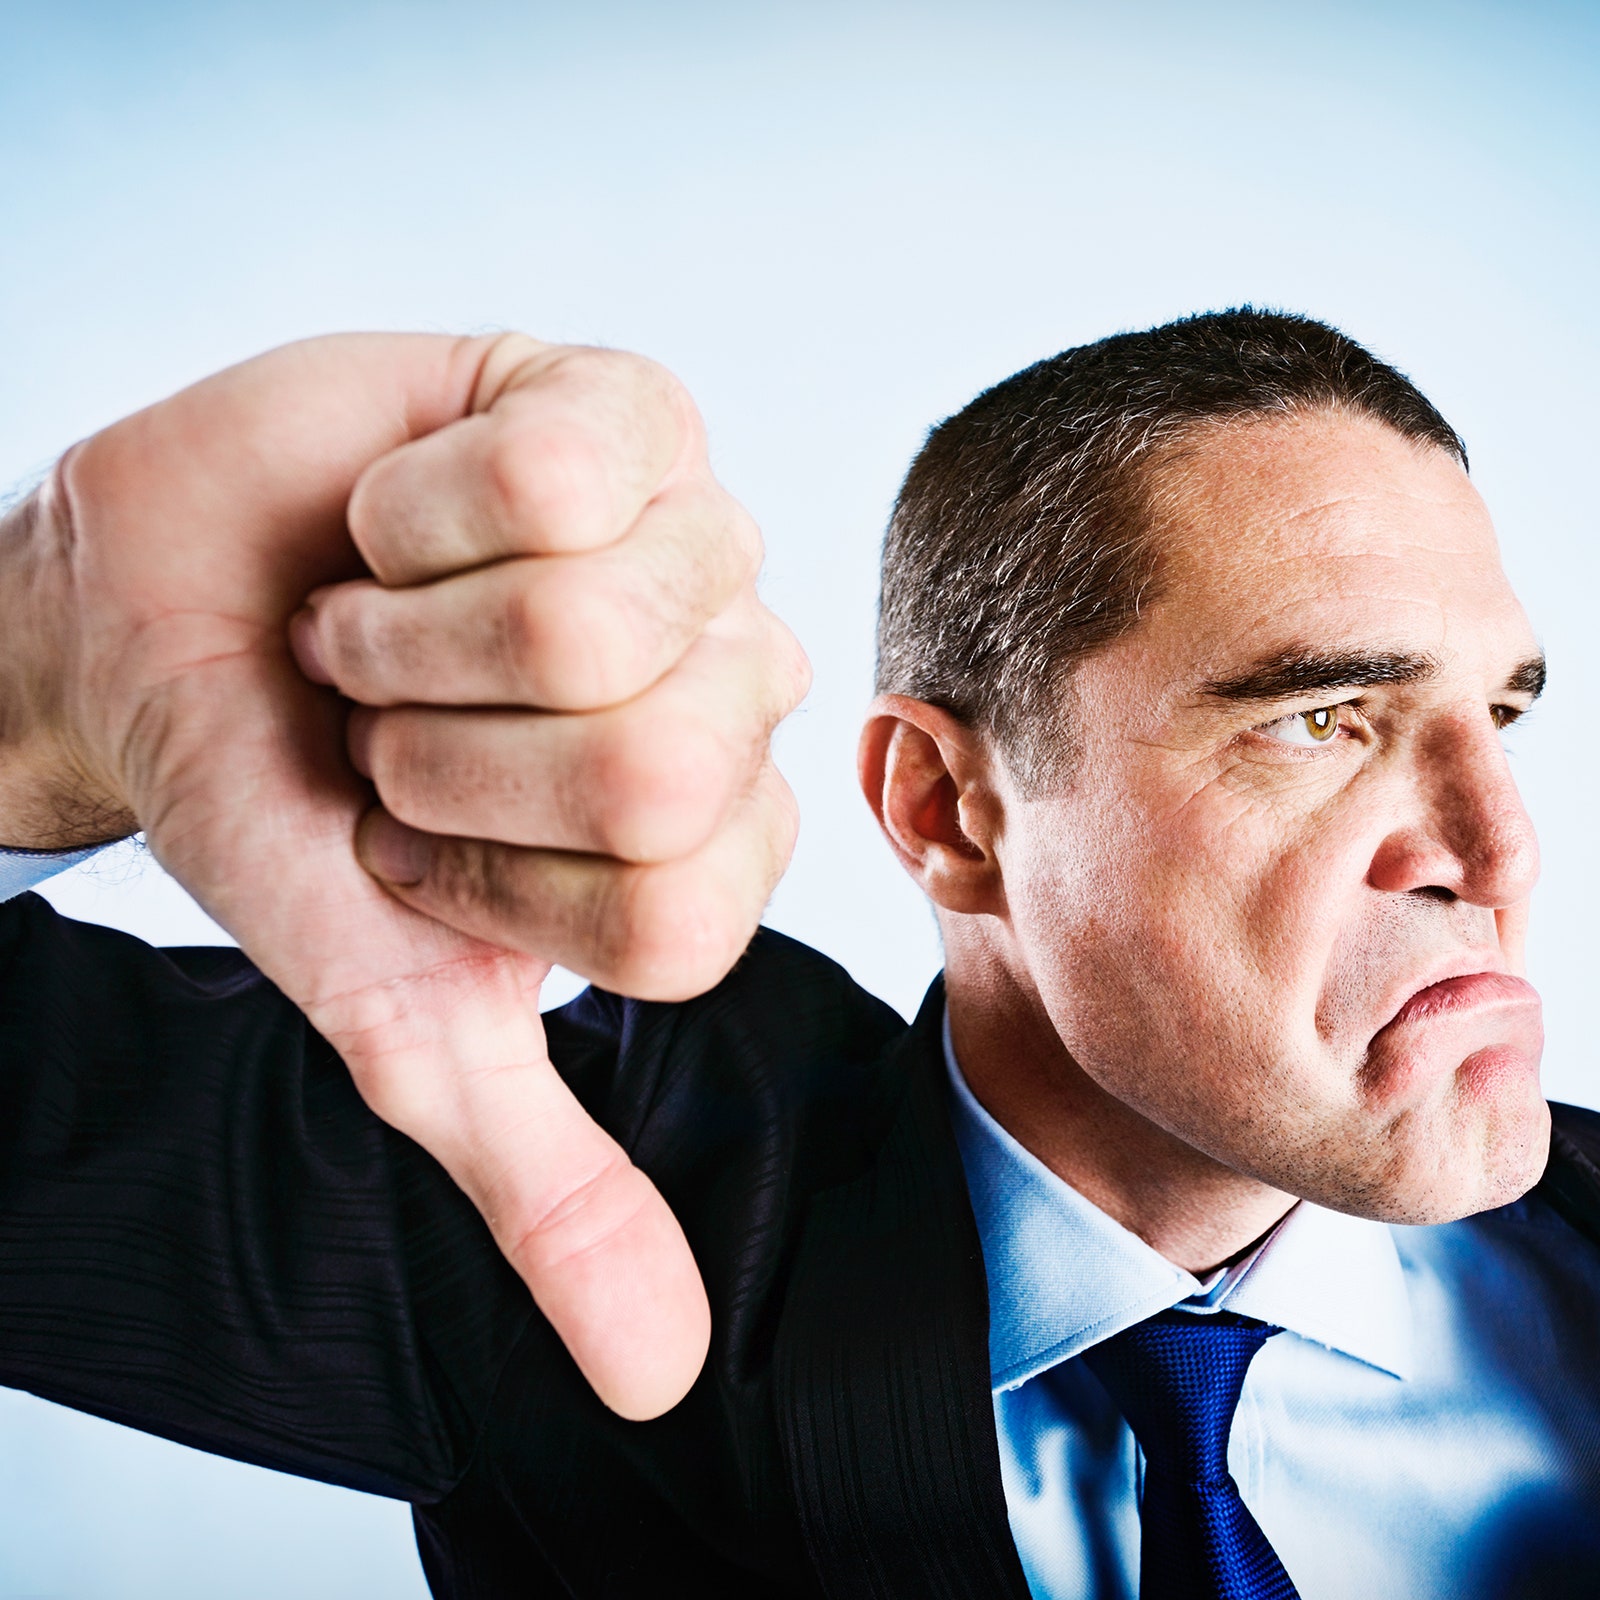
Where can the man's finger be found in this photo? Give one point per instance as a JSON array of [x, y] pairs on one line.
[[560, 632], [455, 1057], [657, 932], [564, 450], [647, 781]]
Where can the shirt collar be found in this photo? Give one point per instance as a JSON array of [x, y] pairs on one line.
[[1063, 1275], [24, 869]]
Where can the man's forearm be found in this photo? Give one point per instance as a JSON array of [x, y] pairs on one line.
[[279, 1328], [50, 798]]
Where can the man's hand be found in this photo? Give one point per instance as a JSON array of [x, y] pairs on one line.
[[521, 567]]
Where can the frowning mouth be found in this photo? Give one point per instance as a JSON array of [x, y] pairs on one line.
[[1471, 992]]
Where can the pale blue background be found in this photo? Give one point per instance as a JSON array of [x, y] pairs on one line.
[[837, 222]]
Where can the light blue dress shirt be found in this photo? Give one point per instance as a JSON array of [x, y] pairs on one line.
[[24, 869], [1428, 1426]]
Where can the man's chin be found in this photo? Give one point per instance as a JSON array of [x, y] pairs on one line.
[[1451, 1085], [1482, 1145]]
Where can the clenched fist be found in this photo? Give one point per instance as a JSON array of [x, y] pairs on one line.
[[424, 663]]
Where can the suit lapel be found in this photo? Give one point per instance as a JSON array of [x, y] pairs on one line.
[[881, 1365]]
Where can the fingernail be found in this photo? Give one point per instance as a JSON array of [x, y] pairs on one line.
[[307, 651], [391, 851], [358, 739]]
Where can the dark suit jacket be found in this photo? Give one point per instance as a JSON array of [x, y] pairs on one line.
[[205, 1234]]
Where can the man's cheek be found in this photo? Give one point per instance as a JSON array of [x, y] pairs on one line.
[[1180, 979], [1303, 931], [1235, 904]]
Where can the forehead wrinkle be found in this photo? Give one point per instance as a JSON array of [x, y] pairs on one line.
[[1328, 558], [1364, 557], [1397, 533], [1355, 498], [1269, 505]]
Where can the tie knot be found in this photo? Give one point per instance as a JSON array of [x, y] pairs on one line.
[[1176, 1378]]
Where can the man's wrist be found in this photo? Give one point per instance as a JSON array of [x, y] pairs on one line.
[[49, 798]]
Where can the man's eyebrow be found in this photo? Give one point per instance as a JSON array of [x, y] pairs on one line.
[[1528, 677], [1288, 674]]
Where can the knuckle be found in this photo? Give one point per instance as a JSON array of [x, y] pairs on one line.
[[678, 934], [772, 664], [674, 396], [658, 787], [565, 644], [356, 639], [366, 498], [745, 539], [411, 782], [598, 366], [783, 829], [404, 1100], [585, 1217], [641, 395], [776, 803], [626, 373], [528, 642], [790, 666], [464, 884], [547, 483], [715, 552]]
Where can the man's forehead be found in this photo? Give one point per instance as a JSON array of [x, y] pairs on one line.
[[1304, 553], [1326, 525], [1266, 495]]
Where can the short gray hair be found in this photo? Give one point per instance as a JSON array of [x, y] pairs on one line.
[[1021, 539]]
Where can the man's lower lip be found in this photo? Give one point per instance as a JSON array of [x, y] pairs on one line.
[[1469, 993]]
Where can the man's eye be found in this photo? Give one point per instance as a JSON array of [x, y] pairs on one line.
[[1304, 727]]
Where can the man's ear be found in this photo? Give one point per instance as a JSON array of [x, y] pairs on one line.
[[928, 778]]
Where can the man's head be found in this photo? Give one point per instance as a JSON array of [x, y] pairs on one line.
[[1227, 809]]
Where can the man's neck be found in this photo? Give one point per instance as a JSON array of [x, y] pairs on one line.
[[1196, 1212]]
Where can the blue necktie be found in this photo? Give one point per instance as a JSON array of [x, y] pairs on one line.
[[1176, 1378]]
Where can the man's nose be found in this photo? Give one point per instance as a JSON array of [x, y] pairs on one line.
[[1466, 831]]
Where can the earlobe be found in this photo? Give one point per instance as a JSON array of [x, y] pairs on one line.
[[926, 777]]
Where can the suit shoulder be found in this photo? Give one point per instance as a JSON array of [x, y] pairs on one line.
[[788, 1029], [797, 998], [1571, 1181], [787, 1041], [1579, 1126], [782, 999], [42, 951]]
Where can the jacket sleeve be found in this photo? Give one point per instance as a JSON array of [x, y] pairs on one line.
[[205, 1234]]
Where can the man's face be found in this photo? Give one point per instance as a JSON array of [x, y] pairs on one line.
[[1278, 906]]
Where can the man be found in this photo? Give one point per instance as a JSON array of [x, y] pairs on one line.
[[1194, 655]]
